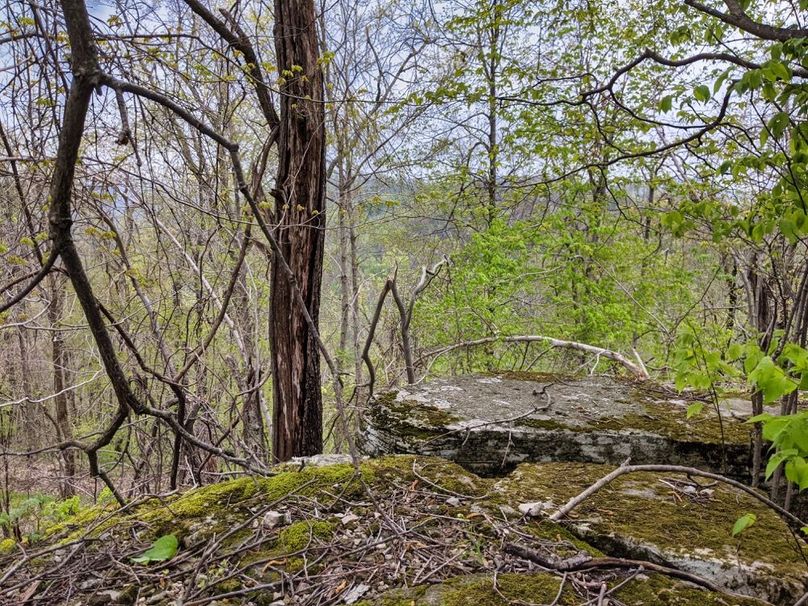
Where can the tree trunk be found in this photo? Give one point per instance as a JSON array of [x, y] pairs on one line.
[[59, 358], [493, 60], [300, 217]]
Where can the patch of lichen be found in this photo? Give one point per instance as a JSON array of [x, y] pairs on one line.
[[672, 422], [652, 416], [549, 424], [660, 517], [538, 377], [411, 419]]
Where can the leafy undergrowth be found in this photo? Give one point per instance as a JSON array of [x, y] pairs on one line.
[[400, 530]]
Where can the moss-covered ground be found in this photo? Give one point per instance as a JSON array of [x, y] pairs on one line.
[[398, 530], [544, 588]]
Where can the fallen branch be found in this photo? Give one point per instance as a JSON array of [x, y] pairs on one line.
[[635, 368]]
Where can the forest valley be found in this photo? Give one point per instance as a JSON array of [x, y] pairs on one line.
[[226, 226]]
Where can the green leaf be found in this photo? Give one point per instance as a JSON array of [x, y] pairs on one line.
[[778, 124], [779, 70], [694, 409], [162, 549], [742, 523], [777, 458], [771, 380], [720, 82], [666, 103], [797, 472], [702, 93]]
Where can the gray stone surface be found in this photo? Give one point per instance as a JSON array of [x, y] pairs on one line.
[[489, 424]]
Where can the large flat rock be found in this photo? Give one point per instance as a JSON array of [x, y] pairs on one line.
[[490, 424], [673, 520]]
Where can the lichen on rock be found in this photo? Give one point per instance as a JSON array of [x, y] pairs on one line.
[[490, 424]]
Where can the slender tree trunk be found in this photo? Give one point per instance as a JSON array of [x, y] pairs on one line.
[[493, 112], [345, 266], [59, 359], [252, 419], [28, 412], [300, 204]]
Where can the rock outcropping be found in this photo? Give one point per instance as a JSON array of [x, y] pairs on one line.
[[490, 424]]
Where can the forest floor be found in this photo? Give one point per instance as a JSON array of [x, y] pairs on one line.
[[400, 531]]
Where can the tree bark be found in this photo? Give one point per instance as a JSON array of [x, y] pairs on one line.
[[300, 220]]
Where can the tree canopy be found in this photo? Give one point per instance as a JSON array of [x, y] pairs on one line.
[[201, 203]]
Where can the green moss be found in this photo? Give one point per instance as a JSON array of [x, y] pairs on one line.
[[539, 588], [441, 473], [220, 503], [228, 585], [412, 419], [550, 531], [7, 546], [657, 590], [659, 517], [82, 519], [296, 537], [542, 588], [511, 588]]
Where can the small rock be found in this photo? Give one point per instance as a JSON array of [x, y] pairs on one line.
[[508, 511], [349, 518], [104, 597], [353, 594], [272, 519], [533, 510], [322, 460], [89, 584], [453, 502]]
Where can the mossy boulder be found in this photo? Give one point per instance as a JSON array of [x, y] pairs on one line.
[[673, 520], [387, 532], [490, 424]]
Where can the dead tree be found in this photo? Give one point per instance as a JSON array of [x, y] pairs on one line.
[[300, 220]]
